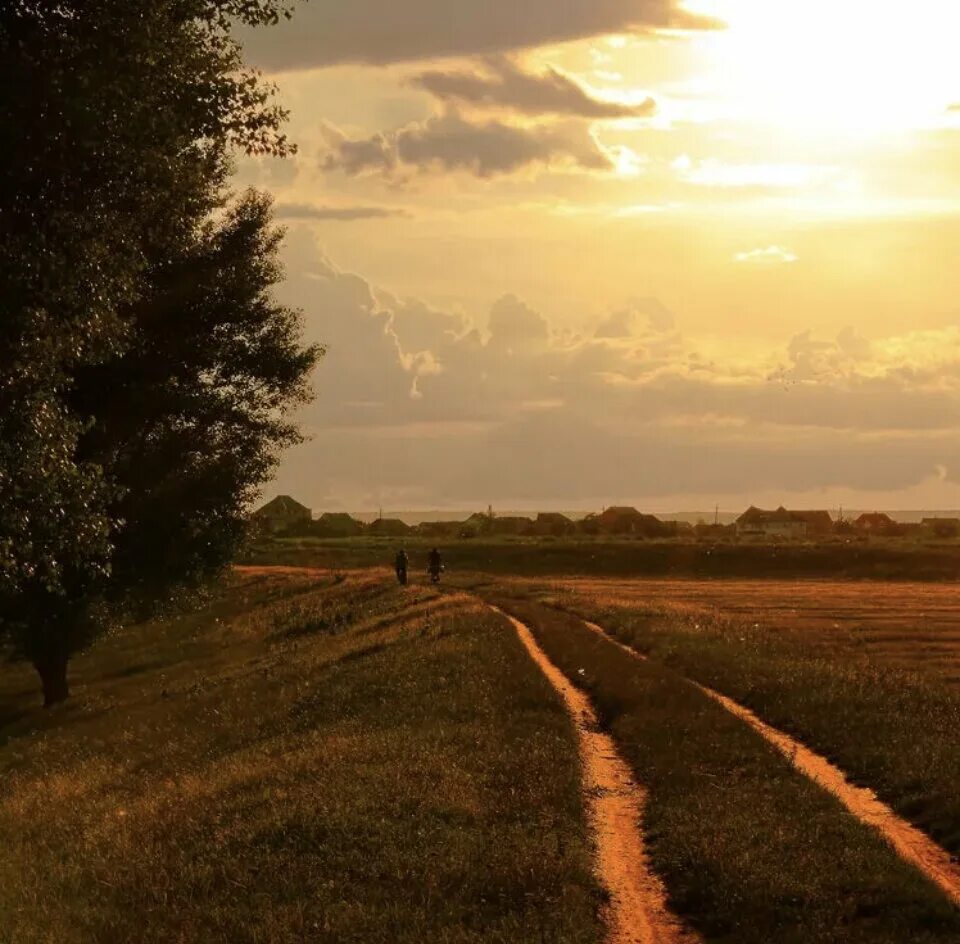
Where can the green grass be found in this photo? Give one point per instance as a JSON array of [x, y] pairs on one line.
[[894, 730], [625, 557], [750, 851], [332, 761]]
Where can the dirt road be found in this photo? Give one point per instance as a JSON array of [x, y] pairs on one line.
[[910, 843], [637, 912]]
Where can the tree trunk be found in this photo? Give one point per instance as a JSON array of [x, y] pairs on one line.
[[52, 669]]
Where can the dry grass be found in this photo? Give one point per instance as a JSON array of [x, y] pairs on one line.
[[881, 703], [325, 758], [750, 851], [914, 626]]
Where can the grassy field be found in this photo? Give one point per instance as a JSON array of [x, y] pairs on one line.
[[874, 688], [324, 756], [751, 852], [323, 759], [628, 557]]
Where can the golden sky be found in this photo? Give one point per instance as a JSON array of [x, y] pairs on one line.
[[575, 252]]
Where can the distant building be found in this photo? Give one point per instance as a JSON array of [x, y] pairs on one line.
[[440, 529], [941, 527], [510, 525], [875, 523], [626, 520], [337, 525], [281, 514], [552, 524], [782, 523], [389, 527]]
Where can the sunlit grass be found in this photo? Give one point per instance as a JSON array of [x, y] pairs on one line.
[[325, 759]]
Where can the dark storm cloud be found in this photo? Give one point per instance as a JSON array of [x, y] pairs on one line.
[[309, 211], [326, 32], [502, 83], [448, 142]]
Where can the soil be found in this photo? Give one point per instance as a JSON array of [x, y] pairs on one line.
[[910, 843], [637, 911]]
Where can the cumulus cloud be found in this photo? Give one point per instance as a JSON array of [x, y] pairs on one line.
[[771, 255], [503, 83], [326, 32], [310, 211], [448, 142], [418, 402], [638, 317]]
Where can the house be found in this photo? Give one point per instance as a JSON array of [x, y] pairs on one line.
[[876, 523], [281, 514], [818, 522], [783, 523], [626, 520], [940, 527], [552, 523], [337, 525], [389, 528]]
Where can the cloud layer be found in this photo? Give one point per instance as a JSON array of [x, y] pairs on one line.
[[419, 406], [449, 142], [326, 32], [310, 211], [504, 84]]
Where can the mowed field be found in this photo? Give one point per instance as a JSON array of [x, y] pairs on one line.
[[908, 624], [325, 756]]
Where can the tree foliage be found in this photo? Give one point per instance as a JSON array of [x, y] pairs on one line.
[[145, 371]]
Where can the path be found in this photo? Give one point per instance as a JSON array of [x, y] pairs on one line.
[[910, 843], [637, 912]]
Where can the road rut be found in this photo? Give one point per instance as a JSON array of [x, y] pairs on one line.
[[910, 843], [637, 912]]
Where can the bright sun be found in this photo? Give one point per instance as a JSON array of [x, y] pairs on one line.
[[849, 66]]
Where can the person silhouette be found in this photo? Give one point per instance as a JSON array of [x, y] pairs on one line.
[[434, 565], [401, 564]]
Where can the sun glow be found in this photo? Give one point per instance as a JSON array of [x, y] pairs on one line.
[[854, 67]]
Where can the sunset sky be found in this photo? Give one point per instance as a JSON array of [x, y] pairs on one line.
[[572, 253]]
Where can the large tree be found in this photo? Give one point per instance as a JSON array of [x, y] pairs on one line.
[[146, 374]]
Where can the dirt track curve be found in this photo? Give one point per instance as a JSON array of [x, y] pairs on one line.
[[910, 843], [637, 912]]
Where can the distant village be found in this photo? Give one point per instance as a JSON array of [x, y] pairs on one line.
[[286, 517]]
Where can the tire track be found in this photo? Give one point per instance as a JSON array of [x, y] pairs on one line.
[[637, 911], [910, 843]]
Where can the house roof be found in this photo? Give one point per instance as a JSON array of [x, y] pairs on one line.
[[337, 517], [553, 517], [781, 515], [283, 505], [875, 518]]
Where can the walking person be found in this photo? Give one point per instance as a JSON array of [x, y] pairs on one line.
[[401, 564], [434, 565]]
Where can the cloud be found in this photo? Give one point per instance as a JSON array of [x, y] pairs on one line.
[[448, 142], [504, 84], [771, 255], [327, 32], [418, 402], [309, 211], [641, 315], [515, 326]]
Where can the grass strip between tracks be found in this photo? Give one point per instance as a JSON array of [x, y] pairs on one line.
[[895, 731], [750, 851]]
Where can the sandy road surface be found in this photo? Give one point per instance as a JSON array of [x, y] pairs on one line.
[[637, 912], [910, 843]]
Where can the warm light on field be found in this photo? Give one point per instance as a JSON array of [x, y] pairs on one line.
[[852, 66]]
